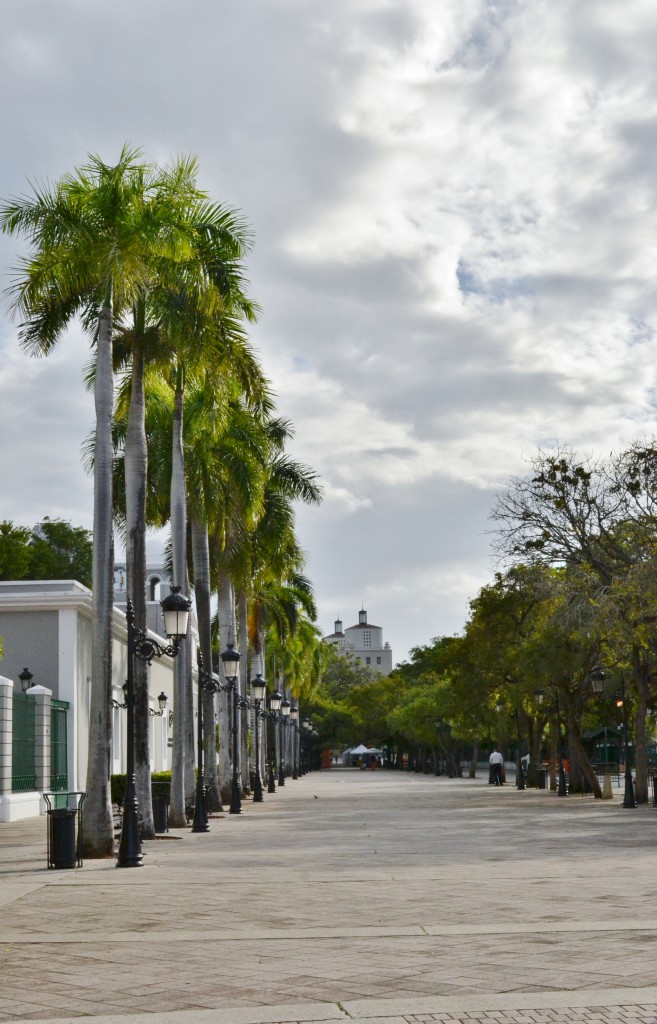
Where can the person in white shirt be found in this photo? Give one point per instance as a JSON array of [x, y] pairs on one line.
[[496, 761]]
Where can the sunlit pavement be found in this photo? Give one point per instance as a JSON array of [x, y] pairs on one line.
[[347, 896]]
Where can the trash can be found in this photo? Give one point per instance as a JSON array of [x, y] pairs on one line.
[[541, 778], [63, 847], [160, 811], [64, 829]]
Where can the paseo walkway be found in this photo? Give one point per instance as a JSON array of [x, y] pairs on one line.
[[348, 896]]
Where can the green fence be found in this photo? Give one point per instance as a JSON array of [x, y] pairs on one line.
[[58, 746], [23, 773]]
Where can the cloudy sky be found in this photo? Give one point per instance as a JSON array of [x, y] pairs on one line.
[[454, 205]]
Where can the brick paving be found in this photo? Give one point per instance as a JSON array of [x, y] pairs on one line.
[[348, 896]]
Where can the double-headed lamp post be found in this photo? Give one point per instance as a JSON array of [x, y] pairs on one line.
[[231, 661], [294, 718], [629, 799], [176, 608], [207, 683], [259, 688], [286, 707], [274, 708]]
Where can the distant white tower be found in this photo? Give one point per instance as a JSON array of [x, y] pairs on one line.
[[364, 642]]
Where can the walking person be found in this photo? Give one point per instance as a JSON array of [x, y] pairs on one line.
[[496, 761]]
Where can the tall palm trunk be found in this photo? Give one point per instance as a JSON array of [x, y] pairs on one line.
[[201, 560], [226, 635], [136, 469], [98, 830], [179, 558], [243, 733]]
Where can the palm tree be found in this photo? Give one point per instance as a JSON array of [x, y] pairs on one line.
[[98, 238], [211, 282]]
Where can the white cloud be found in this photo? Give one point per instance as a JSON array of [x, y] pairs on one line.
[[455, 208]]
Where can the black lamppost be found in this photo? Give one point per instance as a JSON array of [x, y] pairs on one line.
[[231, 661], [282, 737], [259, 689], [206, 684], [176, 608], [628, 796], [294, 718], [26, 678], [274, 708], [520, 775]]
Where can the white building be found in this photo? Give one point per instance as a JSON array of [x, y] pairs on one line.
[[46, 627], [364, 642]]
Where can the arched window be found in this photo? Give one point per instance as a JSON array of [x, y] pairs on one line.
[[154, 588]]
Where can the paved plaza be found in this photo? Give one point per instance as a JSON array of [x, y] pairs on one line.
[[350, 896]]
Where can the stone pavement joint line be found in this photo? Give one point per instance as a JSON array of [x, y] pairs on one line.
[[393, 897]]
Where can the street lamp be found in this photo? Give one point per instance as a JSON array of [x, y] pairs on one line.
[[282, 738], [274, 706], [628, 796], [294, 718], [175, 608], [597, 677], [207, 683], [231, 661], [161, 703], [259, 687], [26, 678], [520, 775]]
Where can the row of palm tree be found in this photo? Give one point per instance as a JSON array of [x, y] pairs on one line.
[[185, 434]]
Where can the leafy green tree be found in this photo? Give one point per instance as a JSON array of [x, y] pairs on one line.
[[14, 551], [51, 550]]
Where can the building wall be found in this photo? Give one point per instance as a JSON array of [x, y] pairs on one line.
[[29, 639], [55, 643]]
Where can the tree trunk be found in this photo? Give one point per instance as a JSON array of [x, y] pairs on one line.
[[226, 635], [641, 679], [577, 749], [136, 469], [179, 558], [472, 774], [98, 828], [201, 560]]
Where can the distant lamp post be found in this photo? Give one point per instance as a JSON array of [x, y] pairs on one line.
[[26, 678], [282, 728], [175, 608], [230, 659], [597, 677], [520, 775], [629, 799], [206, 684], [294, 718], [259, 688], [274, 706]]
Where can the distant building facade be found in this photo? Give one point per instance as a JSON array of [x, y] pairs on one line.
[[364, 642]]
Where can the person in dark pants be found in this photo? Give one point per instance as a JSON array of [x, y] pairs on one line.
[[496, 762]]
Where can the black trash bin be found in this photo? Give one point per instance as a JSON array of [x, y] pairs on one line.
[[160, 811], [64, 829], [541, 778]]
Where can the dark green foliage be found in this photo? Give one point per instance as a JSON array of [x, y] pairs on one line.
[[51, 550], [161, 780]]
